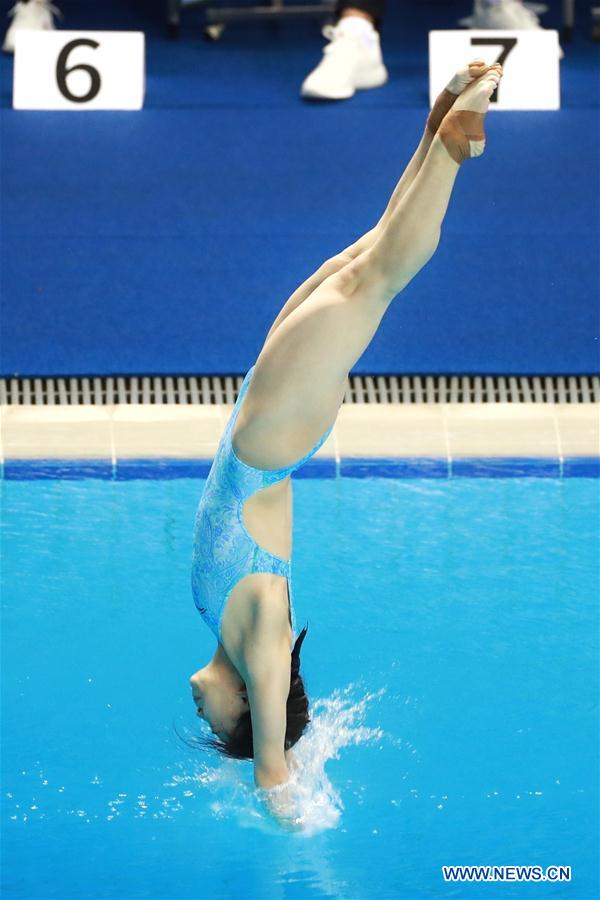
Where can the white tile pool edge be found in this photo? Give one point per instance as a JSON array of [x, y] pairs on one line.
[[449, 431]]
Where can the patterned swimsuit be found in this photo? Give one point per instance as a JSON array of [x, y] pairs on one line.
[[223, 550]]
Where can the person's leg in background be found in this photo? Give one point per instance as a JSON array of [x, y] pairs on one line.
[[353, 59], [500, 15], [372, 10], [29, 14]]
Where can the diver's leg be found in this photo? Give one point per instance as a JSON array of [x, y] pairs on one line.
[[443, 104], [301, 372], [413, 231], [300, 376], [463, 77], [329, 267]]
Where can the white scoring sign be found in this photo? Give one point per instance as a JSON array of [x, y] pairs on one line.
[[530, 61], [78, 70]]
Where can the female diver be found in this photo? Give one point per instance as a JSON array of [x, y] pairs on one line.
[[251, 692]]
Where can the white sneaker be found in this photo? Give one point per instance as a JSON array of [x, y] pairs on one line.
[[351, 61], [35, 15], [506, 14]]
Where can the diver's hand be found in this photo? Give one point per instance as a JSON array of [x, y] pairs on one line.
[[280, 802]]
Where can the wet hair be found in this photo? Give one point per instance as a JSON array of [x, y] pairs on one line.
[[238, 745]]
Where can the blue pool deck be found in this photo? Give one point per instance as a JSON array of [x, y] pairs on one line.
[[389, 440]]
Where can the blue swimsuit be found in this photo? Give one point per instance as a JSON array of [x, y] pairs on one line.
[[223, 551]]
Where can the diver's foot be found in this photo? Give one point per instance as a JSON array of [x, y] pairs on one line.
[[466, 75], [462, 130], [457, 84]]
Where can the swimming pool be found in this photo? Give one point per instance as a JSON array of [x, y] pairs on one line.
[[451, 657]]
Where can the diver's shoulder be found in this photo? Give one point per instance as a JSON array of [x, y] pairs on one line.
[[269, 632], [272, 615]]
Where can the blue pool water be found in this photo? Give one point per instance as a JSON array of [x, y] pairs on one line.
[[451, 659]]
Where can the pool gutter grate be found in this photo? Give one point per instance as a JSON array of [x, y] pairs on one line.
[[378, 389]]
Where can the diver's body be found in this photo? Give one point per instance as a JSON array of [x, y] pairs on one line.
[[290, 401]]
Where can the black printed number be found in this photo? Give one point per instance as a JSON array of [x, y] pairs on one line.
[[62, 72], [507, 44]]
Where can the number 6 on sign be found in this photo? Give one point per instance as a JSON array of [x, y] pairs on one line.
[[62, 72], [79, 70]]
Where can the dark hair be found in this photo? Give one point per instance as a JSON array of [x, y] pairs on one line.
[[238, 745]]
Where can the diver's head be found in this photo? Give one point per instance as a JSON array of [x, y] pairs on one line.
[[222, 700], [220, 696]]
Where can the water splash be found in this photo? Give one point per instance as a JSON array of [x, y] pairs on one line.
[[225, 787], [309, 802]]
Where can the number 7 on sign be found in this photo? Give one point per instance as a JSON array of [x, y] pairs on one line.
[[508, 45], [521, 53]]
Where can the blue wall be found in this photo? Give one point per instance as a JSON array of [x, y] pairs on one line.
[[165, 241]]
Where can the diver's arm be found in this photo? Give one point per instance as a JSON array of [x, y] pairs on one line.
[[268, 697], [268, 686]]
